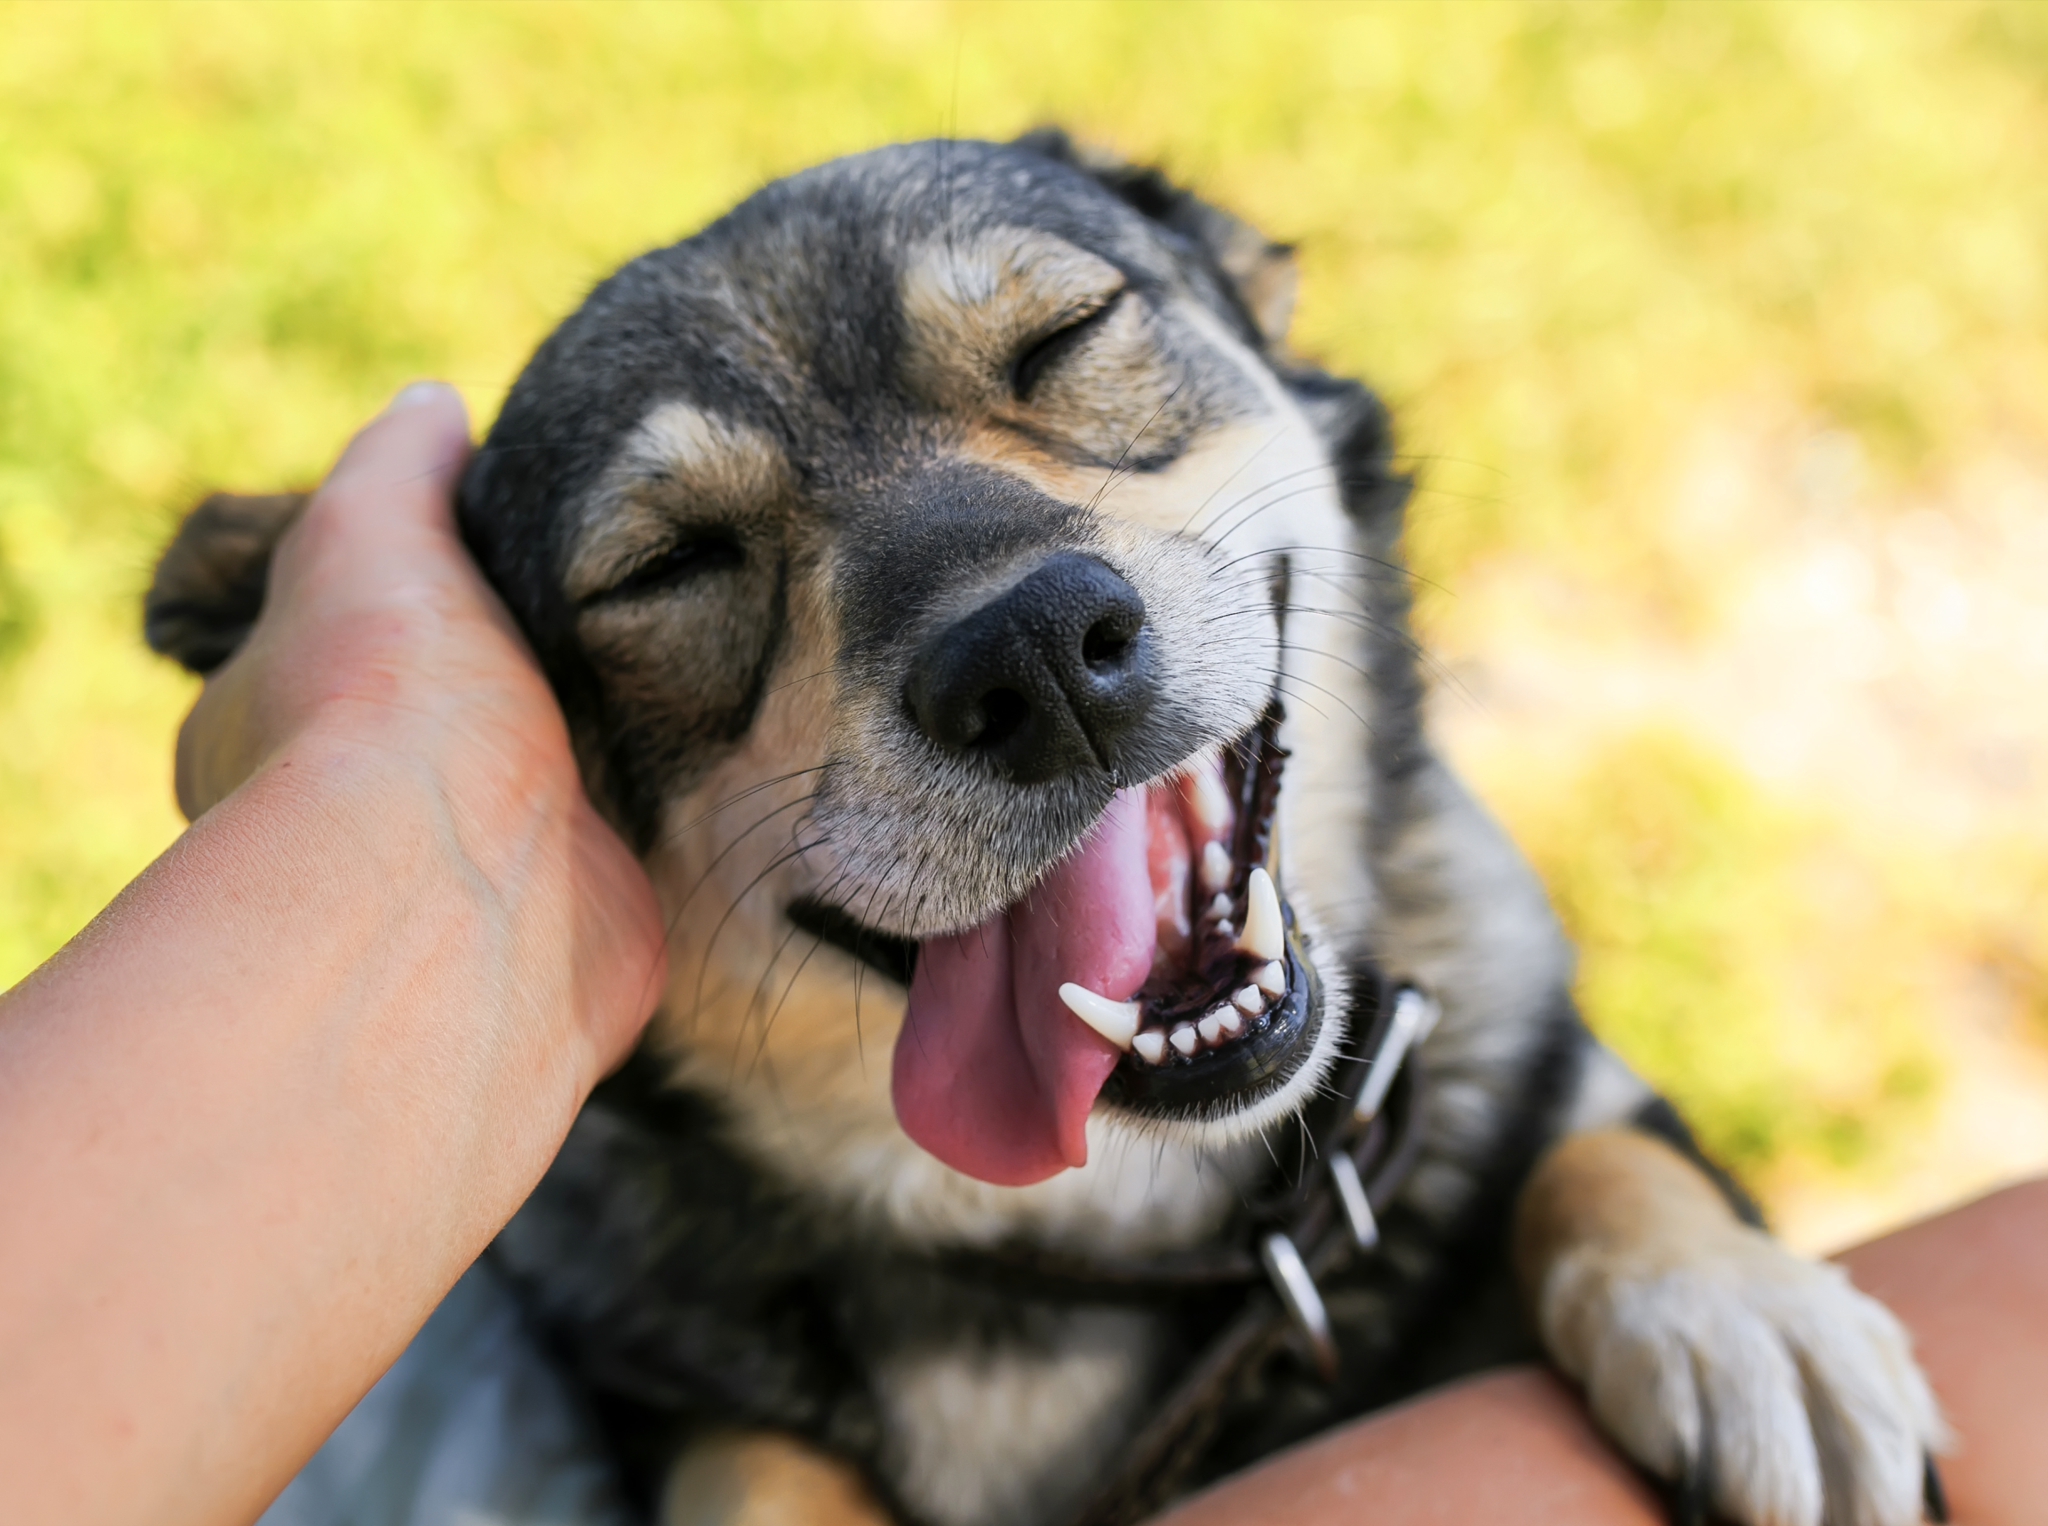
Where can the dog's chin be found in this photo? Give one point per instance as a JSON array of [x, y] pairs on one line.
[[1233, 1024]]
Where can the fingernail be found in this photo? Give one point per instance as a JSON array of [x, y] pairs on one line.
[[414, 393]]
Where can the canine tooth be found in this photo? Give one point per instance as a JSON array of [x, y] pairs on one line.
[[1215, 866], [1220, 908], [1263, 936], [1116, 1021], [1251, 1001], [1185, 1038], [1272, 979], [1210, 1027], [1210, 799], [1151, 1044]]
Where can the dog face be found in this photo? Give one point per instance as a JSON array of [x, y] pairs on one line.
[[937, 567], [920, 551]]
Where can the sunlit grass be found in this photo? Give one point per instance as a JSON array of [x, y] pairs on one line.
[[1554, 234]]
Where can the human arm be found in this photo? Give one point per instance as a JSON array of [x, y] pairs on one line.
[[258, 1116], [1516, 1447]]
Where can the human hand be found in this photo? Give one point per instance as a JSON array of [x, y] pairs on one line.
[[259, 1116], [381, 647]]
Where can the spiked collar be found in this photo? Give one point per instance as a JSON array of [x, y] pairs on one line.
[[1357, 1145]]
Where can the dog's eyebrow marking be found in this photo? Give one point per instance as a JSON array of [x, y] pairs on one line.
[[678, 468], [968, 304]]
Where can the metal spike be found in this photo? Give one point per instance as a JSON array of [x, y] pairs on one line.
[[1415, 1015], [1365, 1229], [1297, 1290]]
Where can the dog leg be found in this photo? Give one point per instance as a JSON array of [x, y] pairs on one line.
[[764, 1478], [1761, 1381]]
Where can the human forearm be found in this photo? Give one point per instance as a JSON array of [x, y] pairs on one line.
[[307, 1054], [259, 1115]]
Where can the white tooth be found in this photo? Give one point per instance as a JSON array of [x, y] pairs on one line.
[[1220, 908], [1251, 1001], [1185, 1039], [1272, 979], [1210, 800], [1215, 866], [1230, 1022], [1211, 1028], [1151, 1044], [1116, 1021], [1263, 936], [1225, 929]]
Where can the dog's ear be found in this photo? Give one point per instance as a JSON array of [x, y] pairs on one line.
[[208, 588], [1258, 273]]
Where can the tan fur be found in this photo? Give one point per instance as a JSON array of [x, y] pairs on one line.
[[969, 304], [680, 467], [765, 1478], [1619, 1191]]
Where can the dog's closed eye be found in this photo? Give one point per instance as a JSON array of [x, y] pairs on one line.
[[695, 556], [1065, 334]]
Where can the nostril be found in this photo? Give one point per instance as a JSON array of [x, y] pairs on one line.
[[1003, 714], [1107, 643]]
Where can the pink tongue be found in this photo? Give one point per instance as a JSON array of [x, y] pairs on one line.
[[993, 1074]]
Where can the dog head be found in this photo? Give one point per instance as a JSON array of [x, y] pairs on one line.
[[950, 587]]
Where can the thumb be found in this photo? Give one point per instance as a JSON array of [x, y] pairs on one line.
[[386, 510]]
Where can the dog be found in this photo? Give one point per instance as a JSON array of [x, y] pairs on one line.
[[995, 644]]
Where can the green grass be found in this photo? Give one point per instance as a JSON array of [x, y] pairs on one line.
[[1554, 234]]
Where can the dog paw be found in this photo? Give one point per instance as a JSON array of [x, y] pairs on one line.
[[1762, 1385]]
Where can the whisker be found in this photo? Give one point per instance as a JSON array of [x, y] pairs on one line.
[[1111, 480], [718, 931], [725, 852], [1207, 529], [1283, 678], [732, 800], [1219, 487]]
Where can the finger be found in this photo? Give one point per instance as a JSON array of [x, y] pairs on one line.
[[410, 453], [389, 501]]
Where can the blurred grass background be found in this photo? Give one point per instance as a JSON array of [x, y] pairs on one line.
[[1719, 337]]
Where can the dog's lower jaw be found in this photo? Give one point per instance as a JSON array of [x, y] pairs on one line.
[[1713, 1355], [1226, 1127]]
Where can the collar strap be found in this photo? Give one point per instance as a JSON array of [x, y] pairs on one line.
[[1367, 1135]]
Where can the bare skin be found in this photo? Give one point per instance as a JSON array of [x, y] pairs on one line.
[[1516, 1448], [258, 1117]]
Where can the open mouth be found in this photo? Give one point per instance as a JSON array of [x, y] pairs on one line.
[[1229, 1004], [1157, 968]]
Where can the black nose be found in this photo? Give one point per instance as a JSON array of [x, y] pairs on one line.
[[1043, 680]]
